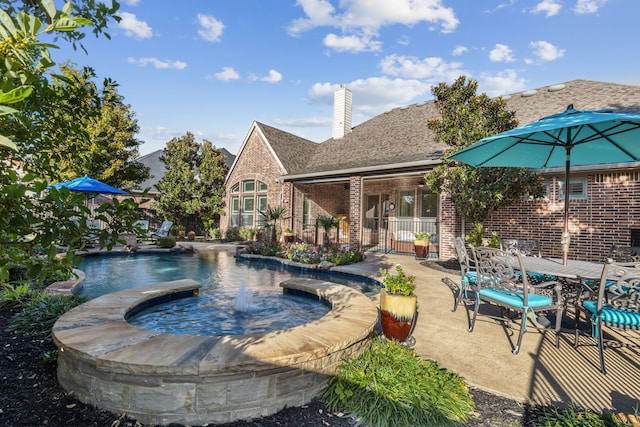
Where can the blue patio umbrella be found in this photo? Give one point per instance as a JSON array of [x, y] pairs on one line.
[[86, 184], [573, 137]]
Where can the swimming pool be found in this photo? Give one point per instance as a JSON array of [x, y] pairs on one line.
[[108, 273], [225, 280]]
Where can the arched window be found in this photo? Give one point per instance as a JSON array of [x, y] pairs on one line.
[[248, 199]]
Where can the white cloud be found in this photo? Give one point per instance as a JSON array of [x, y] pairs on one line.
[[133, 27], [548, 7], [352, 43], [501, 53], [368, 16], [319, 14], [432, 68], [158, 64], [374, 95], [130, 2], [503, 83], [210, 28], [404, 41], [588, 6], [545, 51], [459, 50], [272, 77], [227, 74]]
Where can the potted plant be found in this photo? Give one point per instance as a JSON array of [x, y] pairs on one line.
[[287, 235], [327, 222], [398, 304], [421, 245]]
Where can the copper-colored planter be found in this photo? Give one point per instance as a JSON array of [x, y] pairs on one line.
[[397, 315]]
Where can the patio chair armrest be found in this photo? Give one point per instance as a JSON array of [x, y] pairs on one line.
[[553, 284]]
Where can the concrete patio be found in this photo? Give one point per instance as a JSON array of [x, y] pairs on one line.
[[540, 373]]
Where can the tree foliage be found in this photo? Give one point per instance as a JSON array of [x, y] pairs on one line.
[[193, 182], [466, 118], [71, 127], [98, 13], [34, 221], [25, 57]]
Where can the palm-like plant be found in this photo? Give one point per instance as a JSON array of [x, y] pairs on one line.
[[273, 216], [327, 222]]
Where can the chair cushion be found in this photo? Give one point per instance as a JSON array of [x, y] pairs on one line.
[[613, 315], [514, 300], [470, 277]]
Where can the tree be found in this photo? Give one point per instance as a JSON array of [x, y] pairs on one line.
[[466, 118], [30, 226], [70, 127], [194, 180], [25, 57]]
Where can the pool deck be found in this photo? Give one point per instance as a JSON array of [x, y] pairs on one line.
[[540, 373]]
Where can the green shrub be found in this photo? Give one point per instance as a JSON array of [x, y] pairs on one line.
[[265, 248], [16, 296], [232, 234], [576, 417], [390, 385], [340, 256], [41, 312], [191, 235], [215, 233], [246, 233], [166, 242]]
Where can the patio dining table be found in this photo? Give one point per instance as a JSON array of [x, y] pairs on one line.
[[574, 269]]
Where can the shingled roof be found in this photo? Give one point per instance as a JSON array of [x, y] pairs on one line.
[[400, 138], [293, 151]]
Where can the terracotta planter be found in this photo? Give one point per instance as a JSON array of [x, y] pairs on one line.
[[288, 238], [397, 313], [420, 248]]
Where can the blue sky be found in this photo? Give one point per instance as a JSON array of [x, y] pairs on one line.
[[213, 67]]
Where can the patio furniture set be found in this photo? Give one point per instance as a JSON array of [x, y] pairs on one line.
[[515, 284]]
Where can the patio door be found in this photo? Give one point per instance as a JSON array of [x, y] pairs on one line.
[[375, 219]]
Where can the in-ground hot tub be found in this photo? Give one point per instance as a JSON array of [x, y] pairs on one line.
[[167, 378]]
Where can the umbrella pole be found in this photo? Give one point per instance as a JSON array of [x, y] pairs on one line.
[[566, 238]]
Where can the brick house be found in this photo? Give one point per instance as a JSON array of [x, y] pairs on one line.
[[371, 175]]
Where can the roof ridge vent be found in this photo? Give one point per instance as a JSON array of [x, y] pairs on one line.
[[555, 88]]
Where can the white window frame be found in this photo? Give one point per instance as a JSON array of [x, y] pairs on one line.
[[577, 188]]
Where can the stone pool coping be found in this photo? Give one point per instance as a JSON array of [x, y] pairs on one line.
[[166, 378]]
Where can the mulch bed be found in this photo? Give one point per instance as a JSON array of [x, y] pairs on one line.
[[30, 396]]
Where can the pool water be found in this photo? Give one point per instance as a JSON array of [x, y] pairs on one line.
[[214, 311]]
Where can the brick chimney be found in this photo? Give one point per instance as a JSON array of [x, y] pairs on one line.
[[341, 112]]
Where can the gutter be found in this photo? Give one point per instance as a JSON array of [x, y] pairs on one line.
[[342, 174]]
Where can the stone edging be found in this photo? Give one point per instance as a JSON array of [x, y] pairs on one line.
[[166, 378]]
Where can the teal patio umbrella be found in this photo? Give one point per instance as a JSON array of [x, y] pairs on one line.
[[573, 137]]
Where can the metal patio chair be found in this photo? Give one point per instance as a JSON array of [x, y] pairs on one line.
[[526, 247], [468, 274], [615, 305], [163, 230], [624, 253], [503, 282]]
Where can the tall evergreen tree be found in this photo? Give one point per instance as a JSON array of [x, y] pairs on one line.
[[193, 182], [466, 118]]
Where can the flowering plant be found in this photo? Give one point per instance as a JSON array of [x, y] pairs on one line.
[[399, 284]]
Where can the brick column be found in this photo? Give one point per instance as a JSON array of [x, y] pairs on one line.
[[355, 208]]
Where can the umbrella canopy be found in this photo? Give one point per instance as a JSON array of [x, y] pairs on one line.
[[85, 184], [573, 137]]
